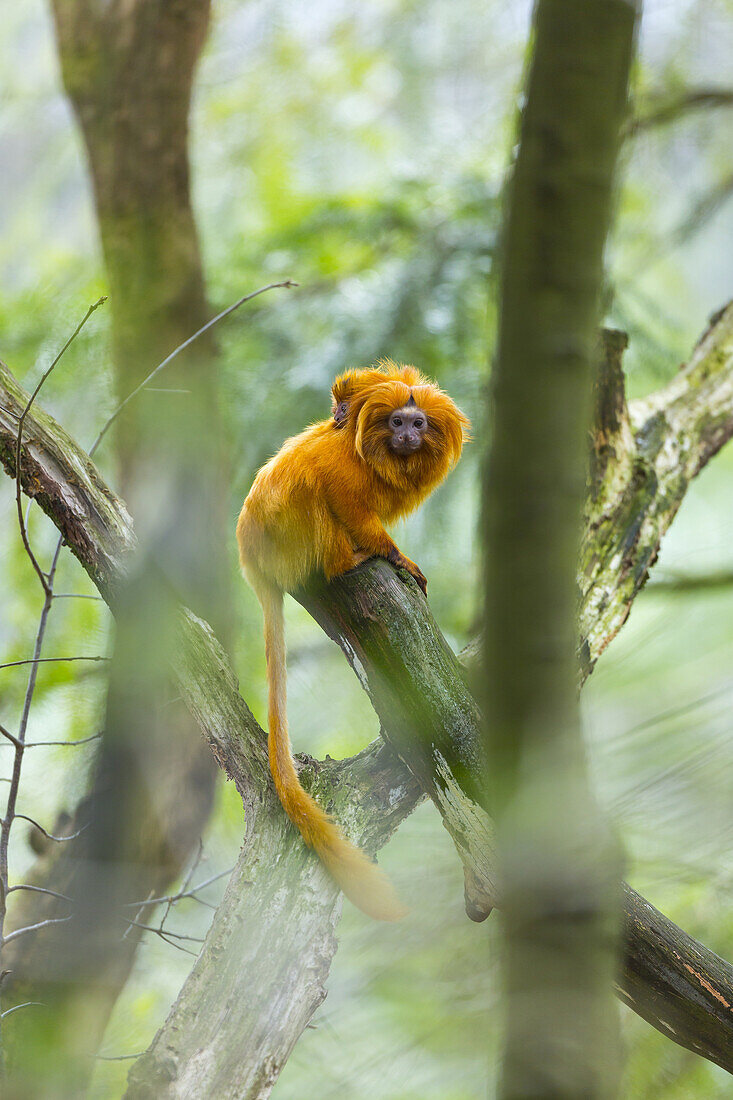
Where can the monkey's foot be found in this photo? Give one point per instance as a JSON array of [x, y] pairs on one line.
[[398, 559]]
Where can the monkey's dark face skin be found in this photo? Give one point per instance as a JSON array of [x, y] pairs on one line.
[[340, 414], [407, 429]]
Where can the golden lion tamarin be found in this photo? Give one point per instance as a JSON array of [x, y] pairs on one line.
[[319, 506]]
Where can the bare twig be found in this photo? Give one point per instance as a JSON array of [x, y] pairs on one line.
[[690, 582], [165, 932], [7, 822], [182, 347], [47, 582], [64, 744], [37, 889], [182, 893], [142, 905], [167, 937], [33, 928], [25, 1004], [118, 1057], [663, 111], [186, 882], [19, 443], [75, 596], [51, 836], [11, 737], [49, 660]]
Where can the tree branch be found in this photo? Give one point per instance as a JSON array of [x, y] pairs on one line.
[[660, 110], [379, 617], [652, 453], [65, 483], [270, 945], [276, 922]]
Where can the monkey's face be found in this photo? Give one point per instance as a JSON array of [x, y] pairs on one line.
[[410, 435], [407, 427]]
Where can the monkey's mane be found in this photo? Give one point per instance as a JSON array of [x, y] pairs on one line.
[[447, 428], [355, 384]]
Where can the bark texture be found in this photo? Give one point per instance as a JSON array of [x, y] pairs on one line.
[[648, 455]]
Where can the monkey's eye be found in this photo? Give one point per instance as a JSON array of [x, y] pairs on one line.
[[342, 407], [419, 422], [397, 423]]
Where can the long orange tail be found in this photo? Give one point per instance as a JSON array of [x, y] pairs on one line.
[[359, 878]]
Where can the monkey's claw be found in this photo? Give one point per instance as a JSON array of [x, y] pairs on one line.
[[420, 578], [398, 559]]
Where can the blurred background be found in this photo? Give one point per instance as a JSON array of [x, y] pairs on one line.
[[360, 150]]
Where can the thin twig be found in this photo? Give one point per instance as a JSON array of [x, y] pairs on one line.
[[51, 836], [11, 737], [25, 1004], [139, 913], [186, 882], [689, 582], [75, 596], [117, 1057], [19, 444], [33, 928], [38, 889], [181, 893], [170, 899], [182, 347], [47, 582], [49, 660], [165, 932], [663, 111], [164, 935], [14, 789], [64, 744]]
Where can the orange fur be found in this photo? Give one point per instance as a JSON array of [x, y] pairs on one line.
[[355, 382], [319, 506]]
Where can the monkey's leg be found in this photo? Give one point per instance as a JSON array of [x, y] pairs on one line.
[[340, 556], [370, 537]]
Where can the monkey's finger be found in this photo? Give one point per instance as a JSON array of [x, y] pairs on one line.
[[421, 580]]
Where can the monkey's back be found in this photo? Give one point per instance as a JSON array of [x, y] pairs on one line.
[[286, 529]]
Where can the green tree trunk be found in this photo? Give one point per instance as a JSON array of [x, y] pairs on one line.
[[128, 69], [559, 868]]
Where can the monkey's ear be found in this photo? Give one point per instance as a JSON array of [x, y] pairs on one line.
[[342, 388], [412, 401], [341, 413]]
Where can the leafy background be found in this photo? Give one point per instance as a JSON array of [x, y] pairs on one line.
[[361, 150]]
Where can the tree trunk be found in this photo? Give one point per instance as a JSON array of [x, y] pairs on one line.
[[128, 69], [559, 865]]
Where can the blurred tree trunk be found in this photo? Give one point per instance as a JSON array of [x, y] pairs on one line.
[[128, 68], [559, 867]]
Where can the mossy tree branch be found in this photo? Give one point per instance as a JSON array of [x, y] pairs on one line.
[[668, 978], [270, 945]]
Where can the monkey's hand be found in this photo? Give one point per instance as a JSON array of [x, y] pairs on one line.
[[396, 558]]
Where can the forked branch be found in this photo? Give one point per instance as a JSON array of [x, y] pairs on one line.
[[386, 628]]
